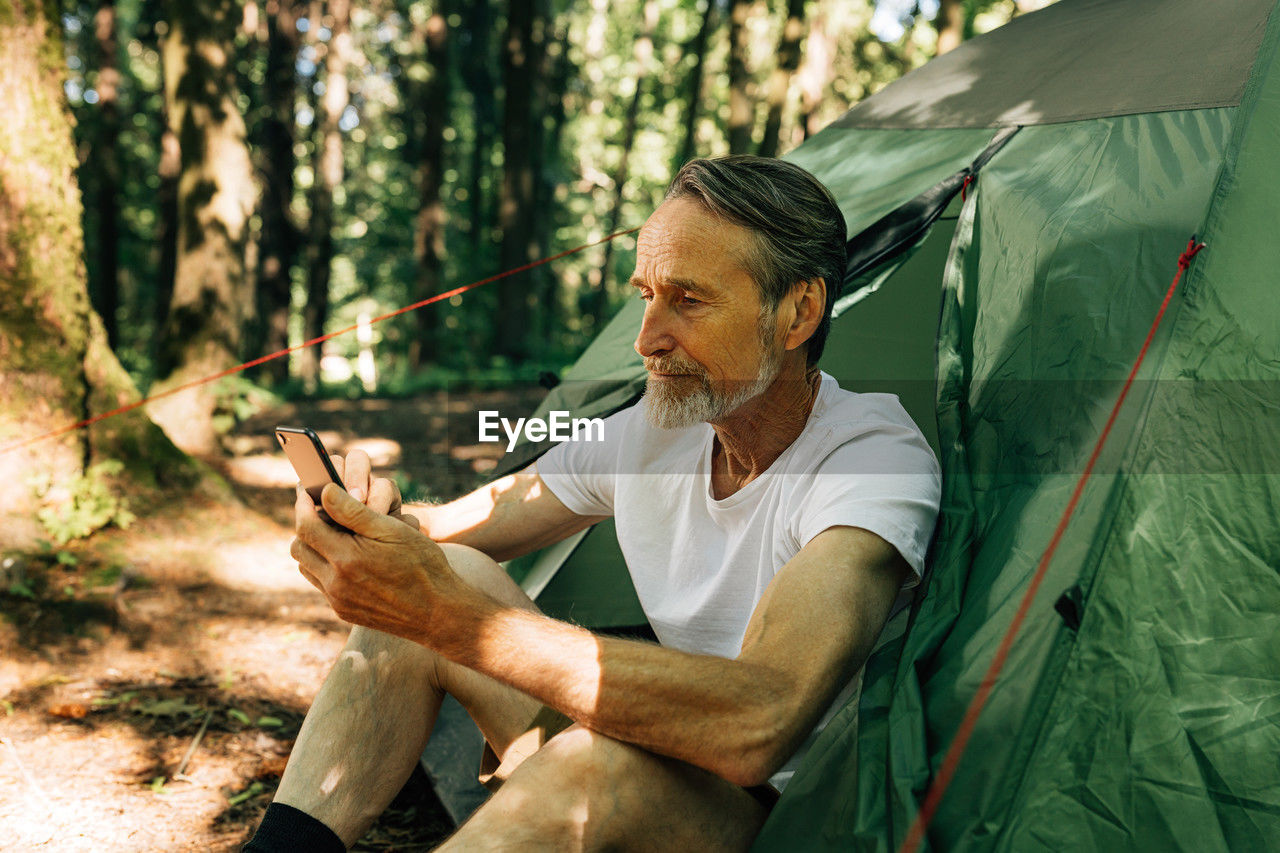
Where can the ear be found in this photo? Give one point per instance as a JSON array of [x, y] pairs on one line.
[[808, 299]]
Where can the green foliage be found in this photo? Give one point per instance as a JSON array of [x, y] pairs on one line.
[[238, 399], [89, 502]]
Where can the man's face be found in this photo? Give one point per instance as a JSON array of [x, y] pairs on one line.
[[706, 342]]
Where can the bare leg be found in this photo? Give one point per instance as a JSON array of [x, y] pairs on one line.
[[585, 791], [373, 715]]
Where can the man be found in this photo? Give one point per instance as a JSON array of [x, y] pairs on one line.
[[768, 518]]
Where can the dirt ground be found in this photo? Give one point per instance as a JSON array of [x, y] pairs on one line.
[[152, 680]]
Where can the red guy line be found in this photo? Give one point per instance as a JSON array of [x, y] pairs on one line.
[[915, 835], [240, 367]]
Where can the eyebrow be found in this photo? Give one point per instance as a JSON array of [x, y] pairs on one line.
[[686, 284]]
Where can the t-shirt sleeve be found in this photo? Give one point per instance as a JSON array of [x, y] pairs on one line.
[[582, 473], [885, 480]]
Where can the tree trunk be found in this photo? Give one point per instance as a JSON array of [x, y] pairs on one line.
[[742, 107], [476, 68], [780, 79], [559, 73], [279, 241], [166, 231], [429, 229], [950, 25], [337, 95], [643, 57], [689, 147], [816, 73], [521, 57], [55, 365], [104, 163], [215, 198]]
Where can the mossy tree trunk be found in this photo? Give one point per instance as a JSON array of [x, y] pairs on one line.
[[216, 195], [55, 365]]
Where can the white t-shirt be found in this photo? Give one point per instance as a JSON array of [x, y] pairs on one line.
[[700, 565]]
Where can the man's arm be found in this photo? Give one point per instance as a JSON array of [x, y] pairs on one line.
[[740, 718], [507, 518]]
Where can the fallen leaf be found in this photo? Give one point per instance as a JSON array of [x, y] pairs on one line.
[[273, 766], [70, 710]]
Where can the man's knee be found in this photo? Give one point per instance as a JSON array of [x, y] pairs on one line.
[[556, 798], [371, 655], [480, 571], [584, 790]]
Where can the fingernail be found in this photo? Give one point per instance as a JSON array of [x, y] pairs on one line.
[[358, 494]]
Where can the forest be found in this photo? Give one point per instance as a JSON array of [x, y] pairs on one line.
[[186, 187]]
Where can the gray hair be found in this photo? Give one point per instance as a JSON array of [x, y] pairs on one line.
[[799, 229]]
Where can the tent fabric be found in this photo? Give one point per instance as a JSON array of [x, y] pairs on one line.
[[1140, 707], [1079, 60]]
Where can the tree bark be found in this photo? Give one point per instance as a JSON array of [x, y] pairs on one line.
[[742, 107], [950, 25], [55, 365], [280, 238], [337, 95], [698, 47], [166, 230], [429, 228], [643, 57], [780, 79], [202, 333], [521, 56]]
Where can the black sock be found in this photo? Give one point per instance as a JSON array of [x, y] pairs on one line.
[[286, 828]]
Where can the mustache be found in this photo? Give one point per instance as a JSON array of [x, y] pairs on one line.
[[673, 364]]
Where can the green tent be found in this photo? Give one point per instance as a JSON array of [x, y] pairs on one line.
[[1017, 210]]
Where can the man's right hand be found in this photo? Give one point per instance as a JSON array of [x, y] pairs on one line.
[[378, 493]]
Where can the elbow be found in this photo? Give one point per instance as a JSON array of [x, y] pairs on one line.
[[757, 754], [748, 768]]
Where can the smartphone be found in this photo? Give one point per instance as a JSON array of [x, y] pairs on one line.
[[309, 458]]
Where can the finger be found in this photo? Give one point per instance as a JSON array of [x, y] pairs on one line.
[[339, 464], [312, 559], [384, 497], [411, 520], [353, 515], [305, 568], [357, 474], [312, 529]]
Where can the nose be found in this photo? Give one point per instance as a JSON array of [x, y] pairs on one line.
[[655, 335]]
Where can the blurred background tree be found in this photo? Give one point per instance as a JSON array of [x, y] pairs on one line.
[[57, 363], [259, 172]]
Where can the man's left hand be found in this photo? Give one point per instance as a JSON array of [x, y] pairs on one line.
[[380, 572]]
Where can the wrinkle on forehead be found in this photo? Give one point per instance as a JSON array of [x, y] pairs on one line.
[[684, 240]]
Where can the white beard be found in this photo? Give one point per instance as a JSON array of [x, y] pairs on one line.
[[668, 406]]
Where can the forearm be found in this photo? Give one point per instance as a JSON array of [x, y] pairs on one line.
[[735, 718], [504, 519]]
